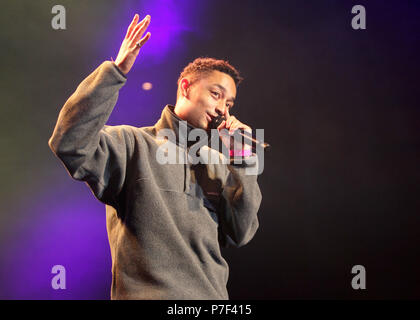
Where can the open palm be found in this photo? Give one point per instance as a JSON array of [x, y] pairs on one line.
[[132, 43]]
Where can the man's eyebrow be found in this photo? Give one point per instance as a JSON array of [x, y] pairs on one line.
[[224, 91]]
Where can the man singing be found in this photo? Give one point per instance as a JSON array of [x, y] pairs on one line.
[[165, 222]]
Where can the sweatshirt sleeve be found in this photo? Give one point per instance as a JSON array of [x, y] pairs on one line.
[[90, 150], [241, 199]]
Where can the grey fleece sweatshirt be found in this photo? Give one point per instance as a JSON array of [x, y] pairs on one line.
[[165, 223]]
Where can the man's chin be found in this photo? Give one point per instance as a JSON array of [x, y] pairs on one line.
[[207, 126], [203, 125]]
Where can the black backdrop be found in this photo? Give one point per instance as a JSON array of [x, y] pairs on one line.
[[340, 108]]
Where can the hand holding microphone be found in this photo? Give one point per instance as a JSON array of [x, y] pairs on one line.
[[238, 128]]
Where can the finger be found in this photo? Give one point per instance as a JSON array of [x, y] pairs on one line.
[[131, 26], [145, 38], [248, 129], [222, 125], [142, 42], [234, 126], [140, 28], [230, 120], [135, 28], [239, 125]]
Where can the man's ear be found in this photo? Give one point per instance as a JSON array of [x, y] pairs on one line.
[[185, 86]]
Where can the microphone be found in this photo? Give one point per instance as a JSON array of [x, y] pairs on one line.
[[247, 137]]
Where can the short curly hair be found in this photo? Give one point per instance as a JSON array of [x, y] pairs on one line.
[[202, 66]]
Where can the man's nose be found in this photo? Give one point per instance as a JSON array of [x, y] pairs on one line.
[[221, 109]]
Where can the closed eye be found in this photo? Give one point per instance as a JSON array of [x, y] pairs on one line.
[[217, 94]]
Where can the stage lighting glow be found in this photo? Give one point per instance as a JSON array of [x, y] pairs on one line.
[[147, 86]]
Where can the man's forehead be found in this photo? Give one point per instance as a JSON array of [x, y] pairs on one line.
[[221, 80], [217, 75]]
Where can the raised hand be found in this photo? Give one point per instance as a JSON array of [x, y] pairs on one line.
[[132, 43]]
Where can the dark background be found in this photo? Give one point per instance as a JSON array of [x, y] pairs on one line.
[[339, 106]]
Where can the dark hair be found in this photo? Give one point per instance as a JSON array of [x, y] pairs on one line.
[[204, 65]]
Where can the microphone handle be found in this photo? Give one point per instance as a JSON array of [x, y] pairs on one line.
[[249, 139]]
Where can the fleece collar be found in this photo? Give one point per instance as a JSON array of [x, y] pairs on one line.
[[181, 128]]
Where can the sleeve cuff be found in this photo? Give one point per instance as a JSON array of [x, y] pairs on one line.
[[119, 70], [112, 67]]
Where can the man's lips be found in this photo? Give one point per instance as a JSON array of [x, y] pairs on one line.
[[209, 117]]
